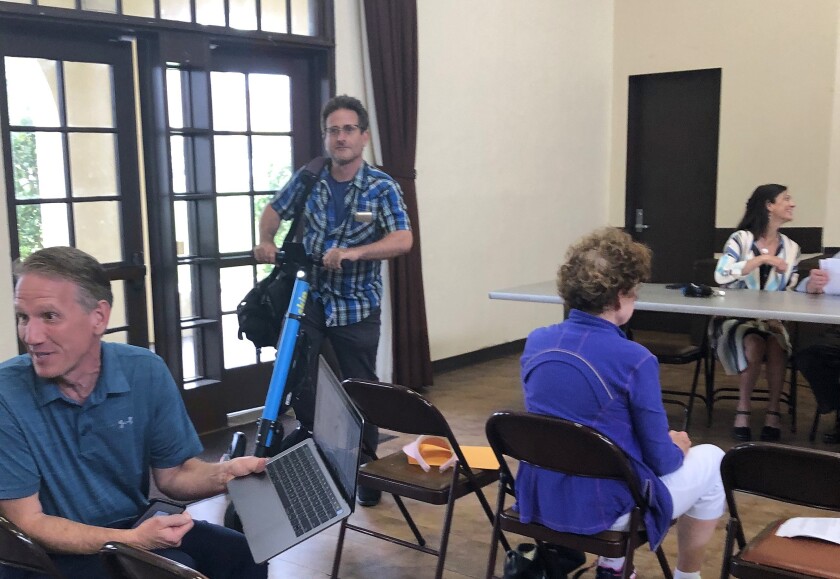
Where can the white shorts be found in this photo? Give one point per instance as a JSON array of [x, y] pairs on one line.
[[696, 489]]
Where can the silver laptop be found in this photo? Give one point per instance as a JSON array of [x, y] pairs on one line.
[[308, 487]]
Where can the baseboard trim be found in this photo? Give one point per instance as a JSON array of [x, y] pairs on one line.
[[242, 417], [478, 356]]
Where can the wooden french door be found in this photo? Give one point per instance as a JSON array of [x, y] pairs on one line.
[[235, 124], [68, 123]]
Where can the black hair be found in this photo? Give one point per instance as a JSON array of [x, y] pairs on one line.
[[756, 218]]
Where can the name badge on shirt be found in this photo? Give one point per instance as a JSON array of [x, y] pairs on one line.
[[363, 216]]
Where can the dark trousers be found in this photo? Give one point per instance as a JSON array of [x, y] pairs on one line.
[[355, 348], [216, 551]]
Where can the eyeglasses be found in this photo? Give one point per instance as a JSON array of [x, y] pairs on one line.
[[346, 129]]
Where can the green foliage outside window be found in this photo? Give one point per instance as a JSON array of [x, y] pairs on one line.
[[25, 167], [277, 179]]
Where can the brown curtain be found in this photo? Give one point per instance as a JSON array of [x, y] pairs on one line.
[[392, 44]]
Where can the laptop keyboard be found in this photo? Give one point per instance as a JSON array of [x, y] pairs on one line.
[[304, 491]]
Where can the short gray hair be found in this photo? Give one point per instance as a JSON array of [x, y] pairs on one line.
[[71, 264]]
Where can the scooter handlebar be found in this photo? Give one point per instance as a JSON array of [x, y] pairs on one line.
[[280, 257]]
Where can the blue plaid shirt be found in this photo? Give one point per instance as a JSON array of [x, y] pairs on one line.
[[352, 293]]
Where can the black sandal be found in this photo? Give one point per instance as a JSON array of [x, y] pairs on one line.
[[771, 433], [742, 433]]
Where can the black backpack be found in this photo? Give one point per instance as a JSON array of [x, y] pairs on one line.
[[262, 310]]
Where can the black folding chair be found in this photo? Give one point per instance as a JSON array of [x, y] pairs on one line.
[[799, 476], [126, 562], [571, 448], [19, 551], [403, 410]]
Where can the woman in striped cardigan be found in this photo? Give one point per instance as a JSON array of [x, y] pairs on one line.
[[758, 257]]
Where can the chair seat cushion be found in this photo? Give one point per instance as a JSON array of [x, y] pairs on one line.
[[394, 474], [606, 543], [812, 557]]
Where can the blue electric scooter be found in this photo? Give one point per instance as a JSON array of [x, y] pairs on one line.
[[270, 435], [271, 438]]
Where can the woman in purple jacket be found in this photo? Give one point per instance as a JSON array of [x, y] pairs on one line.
[[586, 370]]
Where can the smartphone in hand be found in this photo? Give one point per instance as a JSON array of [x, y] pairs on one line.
[[157, 508]]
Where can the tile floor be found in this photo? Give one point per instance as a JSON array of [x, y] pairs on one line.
[[467, 397]]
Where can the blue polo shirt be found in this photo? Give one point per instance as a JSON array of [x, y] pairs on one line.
[[90, 463]]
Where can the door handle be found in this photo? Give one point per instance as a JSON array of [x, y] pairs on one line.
[[640, 221]]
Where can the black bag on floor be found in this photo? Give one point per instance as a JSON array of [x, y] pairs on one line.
[[545, 561]]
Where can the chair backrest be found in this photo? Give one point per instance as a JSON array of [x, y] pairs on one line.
[[125, 562], [398, 408], [19, 551], [559, 445], [801, 476], [703, 271]]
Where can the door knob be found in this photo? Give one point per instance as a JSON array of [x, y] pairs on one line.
[[640, 221]]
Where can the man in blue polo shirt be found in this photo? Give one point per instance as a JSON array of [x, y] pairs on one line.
[[83, 423], [355, 217]]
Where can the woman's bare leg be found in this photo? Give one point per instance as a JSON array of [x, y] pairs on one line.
[[776, 364], [754, 347], [692, 537]]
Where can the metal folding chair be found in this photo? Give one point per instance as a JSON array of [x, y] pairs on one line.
[[403, 410], [568, 447], [125, 562], [799, 476], [19, 551]]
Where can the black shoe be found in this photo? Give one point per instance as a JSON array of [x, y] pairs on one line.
[[742, 433], [831, 437], [607, 573], [560, 561], [368, 497], [771, 433]]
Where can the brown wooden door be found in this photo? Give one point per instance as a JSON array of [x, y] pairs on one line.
[[672, 150]]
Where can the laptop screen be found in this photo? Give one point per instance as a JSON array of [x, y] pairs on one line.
[[337, 429]]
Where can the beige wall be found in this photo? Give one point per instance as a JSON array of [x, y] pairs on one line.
[[778, 78], [507, 177], [349, 67], [832, 206], [512, 155]]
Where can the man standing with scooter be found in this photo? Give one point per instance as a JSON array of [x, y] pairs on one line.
[[354, 217]]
